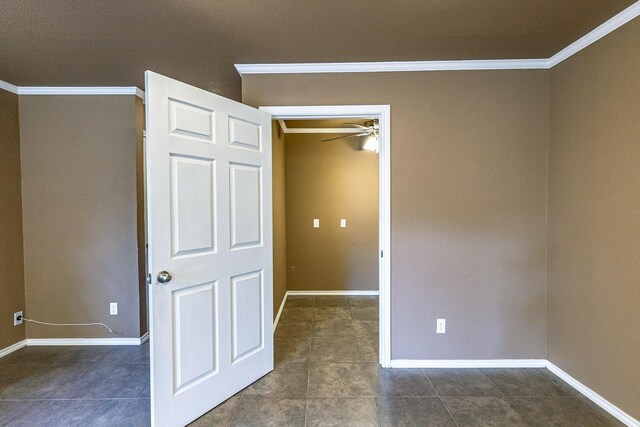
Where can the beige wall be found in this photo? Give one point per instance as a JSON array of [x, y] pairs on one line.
[[11, 257], [594, 217], [469, 177], [79, 212], [279, 218], [330, 181]]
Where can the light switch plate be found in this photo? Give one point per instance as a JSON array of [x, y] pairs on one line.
[[316, 223], [343, 223]]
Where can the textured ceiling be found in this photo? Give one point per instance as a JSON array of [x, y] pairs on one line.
[[91, 42]]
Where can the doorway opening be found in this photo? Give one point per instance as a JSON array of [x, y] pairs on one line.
[[329, 218]]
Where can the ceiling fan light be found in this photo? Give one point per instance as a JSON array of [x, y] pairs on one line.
[[371, 143]]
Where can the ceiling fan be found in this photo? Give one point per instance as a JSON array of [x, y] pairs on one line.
[[369, 128]]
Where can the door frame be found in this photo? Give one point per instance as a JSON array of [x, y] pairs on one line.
[[383, 114]]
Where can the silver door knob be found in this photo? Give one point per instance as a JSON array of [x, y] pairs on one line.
[[164, 277]]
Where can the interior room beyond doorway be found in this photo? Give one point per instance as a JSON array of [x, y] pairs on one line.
[[326, 207]]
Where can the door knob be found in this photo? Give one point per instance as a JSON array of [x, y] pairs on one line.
[[164, 277]]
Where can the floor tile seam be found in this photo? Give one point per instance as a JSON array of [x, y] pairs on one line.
[[358, 344], [32, 364], [236, 408], [515, 408], [55, 399], [405, 396], [375, 406], [424, 372]]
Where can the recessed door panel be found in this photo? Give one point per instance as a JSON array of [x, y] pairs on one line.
[[246, 207], [195, 335], [190, 120], [247, 300], [193, 220], [244, 134]]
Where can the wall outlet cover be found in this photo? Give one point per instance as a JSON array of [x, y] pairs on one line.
[[343, 223], [441, 325], [17, 318], [113, 308], [316, 223]]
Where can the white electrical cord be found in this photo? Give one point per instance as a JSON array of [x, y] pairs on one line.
[[68, 324]]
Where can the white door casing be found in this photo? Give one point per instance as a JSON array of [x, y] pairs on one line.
[[210, 226]]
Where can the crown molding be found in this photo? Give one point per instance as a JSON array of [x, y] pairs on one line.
[[80, 90], [609, 26], [8, 87], [72, 90], [288, 130], [393, 66]]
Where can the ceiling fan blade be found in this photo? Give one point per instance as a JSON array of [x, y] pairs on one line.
[[346, 136]]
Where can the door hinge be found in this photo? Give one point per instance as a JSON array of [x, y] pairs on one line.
[[381, 254], [148, 278]]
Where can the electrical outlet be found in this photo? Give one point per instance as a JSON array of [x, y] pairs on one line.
[[17, 318], [441, 325], [343, 223], [316, 223], [113, 308]]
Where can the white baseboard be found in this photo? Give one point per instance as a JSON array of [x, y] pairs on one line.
[[320, 293], [13, 347], [275, 322], [85, 341], [593, 396], [454, 363], [523, 363]]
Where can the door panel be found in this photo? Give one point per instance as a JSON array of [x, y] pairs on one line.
[[246, 209], [247, 300], [209, 222], [192, 205], [195, 341]]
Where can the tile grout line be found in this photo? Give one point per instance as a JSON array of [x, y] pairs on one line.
[[424, 372], [507, 398], [310, 344]]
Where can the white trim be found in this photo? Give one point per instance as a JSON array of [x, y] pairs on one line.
[[84, 341], [324, 130], [383, 114], [286, 129], [593, 396], [275, 322], [144, 338], [72, 90], [88, 90], [609, 26], [8, 87], [482, 363], [392, 66], [328, 293], [13, 347]]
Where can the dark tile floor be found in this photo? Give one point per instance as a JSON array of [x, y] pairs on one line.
[[75, 386], [326, 374]]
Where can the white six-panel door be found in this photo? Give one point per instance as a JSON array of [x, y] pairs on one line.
[[210, 228]]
